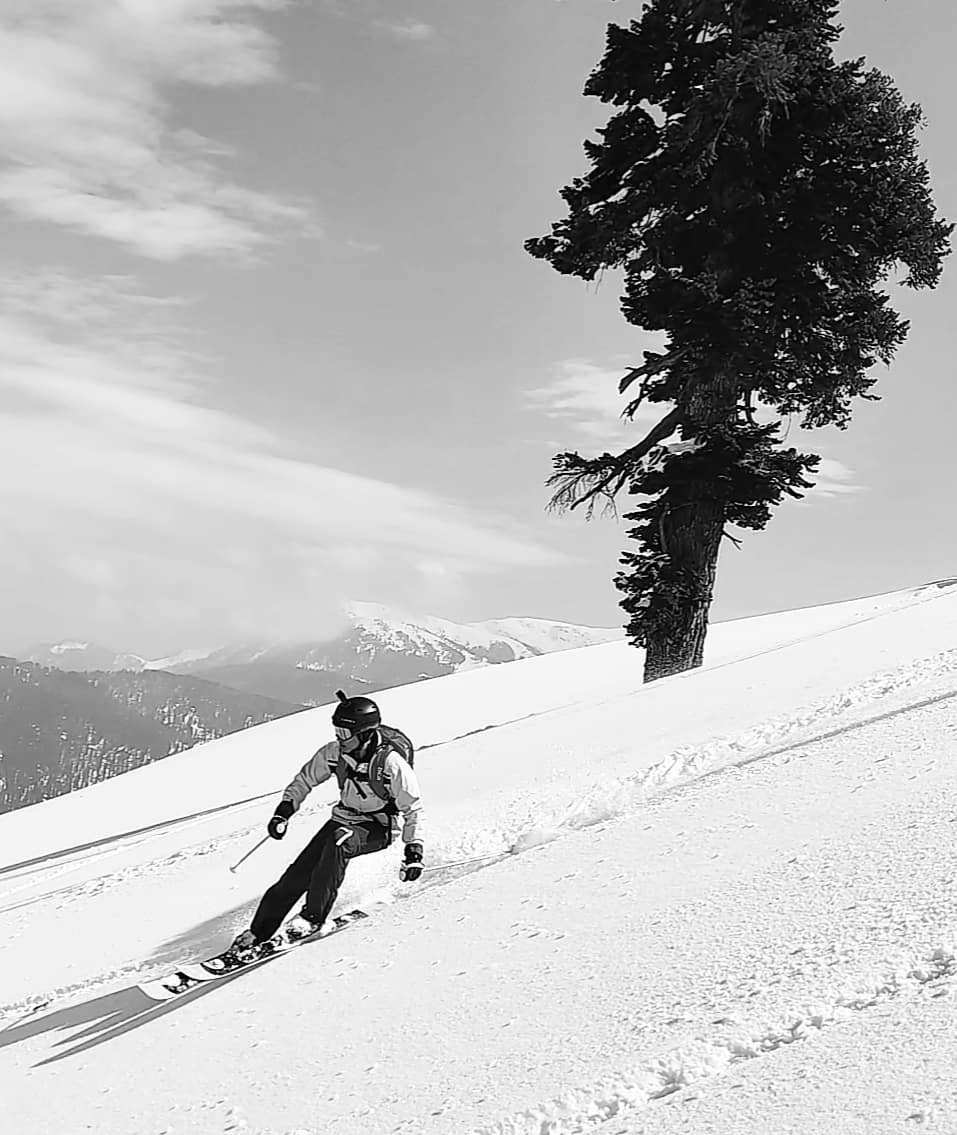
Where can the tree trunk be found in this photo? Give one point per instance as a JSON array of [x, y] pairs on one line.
[[691, 532], [693, 541]]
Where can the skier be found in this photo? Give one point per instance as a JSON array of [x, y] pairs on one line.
[[361, 822]]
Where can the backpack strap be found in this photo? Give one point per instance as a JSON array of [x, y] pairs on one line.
[[379, 780]]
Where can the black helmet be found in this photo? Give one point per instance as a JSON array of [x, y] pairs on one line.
[[358, 714]]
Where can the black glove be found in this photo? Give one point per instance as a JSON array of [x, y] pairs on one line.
[[411, 867], [280, 821]]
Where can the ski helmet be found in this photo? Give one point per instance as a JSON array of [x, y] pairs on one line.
[[358, 714]]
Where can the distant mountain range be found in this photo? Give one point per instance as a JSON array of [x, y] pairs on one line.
[[379, 648], [60, 731], [74, 713]]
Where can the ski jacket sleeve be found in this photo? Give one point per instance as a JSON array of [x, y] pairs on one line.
[[403, 785], [317, 770]]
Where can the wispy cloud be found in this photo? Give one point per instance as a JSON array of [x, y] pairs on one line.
[[87, 131], [379, 15], [367, 247], [139, 503], [833, 478], [585, 396], [406, 30]]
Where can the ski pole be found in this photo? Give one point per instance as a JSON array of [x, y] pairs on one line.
[[248, 853], [463, 862]]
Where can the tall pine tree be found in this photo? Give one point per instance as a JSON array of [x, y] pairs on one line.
[[757, 194]]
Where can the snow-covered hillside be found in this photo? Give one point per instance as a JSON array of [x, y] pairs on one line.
[[719, 904]]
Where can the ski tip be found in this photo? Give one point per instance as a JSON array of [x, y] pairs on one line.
[[157, 991]]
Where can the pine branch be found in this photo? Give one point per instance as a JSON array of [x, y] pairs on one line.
[[574, 474], [581, 480], [653, 364]]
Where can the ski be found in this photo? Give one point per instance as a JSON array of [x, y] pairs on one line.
[[192, 975]]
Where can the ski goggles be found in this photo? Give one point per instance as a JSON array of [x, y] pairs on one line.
[[348, 741]]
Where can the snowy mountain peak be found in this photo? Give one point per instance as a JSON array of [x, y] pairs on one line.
[[76, 655], [381, 630], [543, 635], [547, 636], [183, 658]]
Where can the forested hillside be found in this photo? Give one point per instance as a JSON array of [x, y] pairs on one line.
[[60, 730]]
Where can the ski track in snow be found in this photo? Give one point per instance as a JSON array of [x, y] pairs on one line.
[[732, 1043], [839, 978]]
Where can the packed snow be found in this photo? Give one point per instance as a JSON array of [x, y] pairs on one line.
[[721, 903]]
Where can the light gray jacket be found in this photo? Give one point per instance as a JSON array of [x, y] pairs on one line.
[[399, 777]]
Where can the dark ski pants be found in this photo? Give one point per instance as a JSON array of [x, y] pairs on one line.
[[318, 871]]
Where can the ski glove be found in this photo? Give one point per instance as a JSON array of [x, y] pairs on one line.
[[411, 867], [280, 821]]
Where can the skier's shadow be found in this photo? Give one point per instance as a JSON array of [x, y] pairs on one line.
[[110, 1016], [106, 1018], [113, 1014], [200, 940]]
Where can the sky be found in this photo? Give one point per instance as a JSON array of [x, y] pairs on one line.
[[269, 340], [743, 925]]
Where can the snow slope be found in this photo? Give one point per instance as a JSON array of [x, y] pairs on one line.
[[260, 761], [721, 903]]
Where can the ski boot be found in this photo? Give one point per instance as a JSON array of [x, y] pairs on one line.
[[245, 947], [301, 926]]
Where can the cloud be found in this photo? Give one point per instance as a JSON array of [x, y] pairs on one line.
[[406, 30], [141, 505], [85, 121], [585, 396], [833, 478], [370, 13], [367, 247]]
